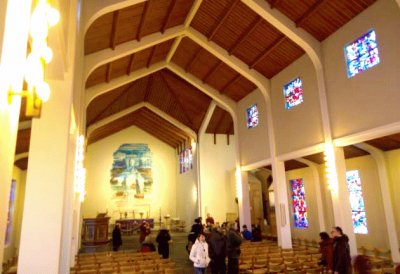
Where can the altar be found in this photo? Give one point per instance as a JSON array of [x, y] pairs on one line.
[[128, 226]]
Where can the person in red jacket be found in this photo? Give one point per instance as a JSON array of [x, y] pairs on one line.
[[326, 250]]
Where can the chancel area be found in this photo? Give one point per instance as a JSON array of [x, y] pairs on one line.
[[274, 113]]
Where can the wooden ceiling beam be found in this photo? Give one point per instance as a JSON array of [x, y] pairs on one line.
[[158, 135], [160, 129], [153, 49], [144, 15], [168, 17], [194, 58], [110, 104], [274, 3], [108, 72], [245, 34], [177, 100], [114, 28], [221, 21], [172, 128], [229, 83], [267, 51], [131, 62], [314, 8], [211, 71], [149, 85]]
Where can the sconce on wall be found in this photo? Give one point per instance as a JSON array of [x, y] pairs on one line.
[[43, 17]]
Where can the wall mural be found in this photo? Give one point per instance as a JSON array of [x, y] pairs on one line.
[[131, 175]]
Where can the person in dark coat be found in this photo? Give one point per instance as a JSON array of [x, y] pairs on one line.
[[217, 251], [116, 237], [144, 231], [233, 242], [163, 239], [341, 252], [326, 250], [362, 265]]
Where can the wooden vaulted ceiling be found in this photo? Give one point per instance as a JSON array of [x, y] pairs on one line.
[[230, 24]]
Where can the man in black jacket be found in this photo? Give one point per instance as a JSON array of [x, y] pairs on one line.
[[341, 252], [116, 237], [217, 251], [233, 242]]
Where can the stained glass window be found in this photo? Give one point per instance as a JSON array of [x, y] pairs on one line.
[[356, 202], [11, 201], [252, 116], [185, 160], [361, 54], [293, 93], [299, 203]]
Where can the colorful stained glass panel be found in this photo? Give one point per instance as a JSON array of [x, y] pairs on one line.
[[356, 202], [293, 93], [185, 160], [361, 54], [299, 203], [252, 116]]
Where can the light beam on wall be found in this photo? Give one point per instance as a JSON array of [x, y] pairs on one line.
[[330, 168], [80, 171]]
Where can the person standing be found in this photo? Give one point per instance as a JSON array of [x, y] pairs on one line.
[[341, 252], [233, 242], [163, 239], [217, 251], [326, 250], [199, 255], [116, 237]]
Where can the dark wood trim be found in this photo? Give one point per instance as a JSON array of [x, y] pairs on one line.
[[168, 17], [227, 139], [211, 71], [144, 15], [221, 21], [108, 72], [149, 84], [215, 139], [131, 62], [314, 8], [274, 3], [229, 83], [245, 34], [153, 49], [194, 57], [230, 129], [267, 51], [114, 28]]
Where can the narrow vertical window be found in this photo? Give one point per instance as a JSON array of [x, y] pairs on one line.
[[252, 116], [293, 92], [361, 54], [356, 202], [299, 203], [185, 160], [10, 214]]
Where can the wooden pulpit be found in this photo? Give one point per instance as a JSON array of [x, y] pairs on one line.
[[95, 231]]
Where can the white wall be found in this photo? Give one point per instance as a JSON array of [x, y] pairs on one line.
[[217, 165], [250, 150], [98, 163], [369, 99], [393, 158], [300, 126]]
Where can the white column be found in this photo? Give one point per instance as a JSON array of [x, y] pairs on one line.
[[14, 16], [381, 162], [281, 204], [243, 198], [41, 232], [341, 201]]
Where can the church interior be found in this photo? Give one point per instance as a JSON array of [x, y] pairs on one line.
[[278, 113]]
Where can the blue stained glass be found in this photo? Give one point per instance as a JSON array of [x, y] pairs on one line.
[[362, 54], [252, 116], [299, 203], [293, 93], [356, 202]]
